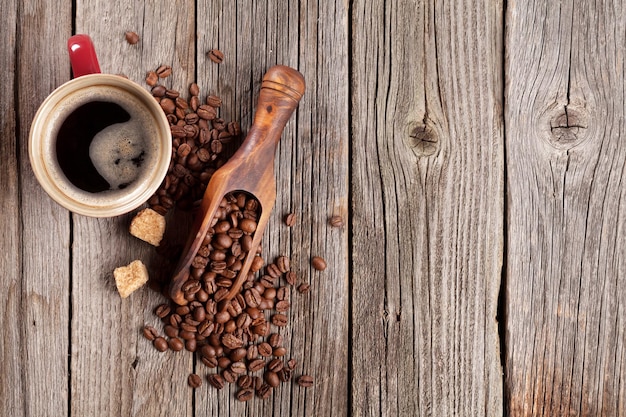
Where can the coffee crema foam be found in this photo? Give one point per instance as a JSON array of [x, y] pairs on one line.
[[118, 152]]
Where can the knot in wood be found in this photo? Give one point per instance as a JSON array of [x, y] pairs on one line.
[[422, 139], [568, 126]]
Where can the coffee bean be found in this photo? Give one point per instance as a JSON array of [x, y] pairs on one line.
[[252, 352], [176, 344], [290, 219], [265, 349], [164, 71], [194, 381], [168, 105], [245, 381], [264, 391], [318, 263], [256, 365], [284, 374], [283, 263], [231, 341], [291, 278], [160, 344], [245, 394], [275, 365], [282, 306], [150, 333], [279, 320], [257, 264], [194, 90], [216, 380], [162, 310], [272, 379], [273, 270], [238, 368], [247, 226], [279, 351], [191, 345], [206, 112], [171, 331], [216, 56], [229, 376], [210, 362], [305, 381], [152, 78], [131, 37], [252, 297], [304, 288], [214, 101], [336, 221], [238, 354], [291, 364], [275, 340]]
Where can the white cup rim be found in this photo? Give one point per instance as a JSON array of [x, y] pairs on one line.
[[59, 187]]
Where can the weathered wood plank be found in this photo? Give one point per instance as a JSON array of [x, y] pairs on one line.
[[566, 217], [427, 204], [114, 369], [312, 180], [11, 343], [45, 228]]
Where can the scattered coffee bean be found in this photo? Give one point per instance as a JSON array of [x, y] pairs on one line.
[[279, 351], [164, 71], [194, 381], [272, 379], [152, 78], [279, 320], [290, 219], [150, 333], [216, 56], [131, 37], [291, 364], [305, 381], [176, 344], [214, 101], [216, 380], [291, 278], [264, 391], [283, 263], [256, 365], [336, 221], [160, 344], [245, 394], [304, 288], [318, 263]]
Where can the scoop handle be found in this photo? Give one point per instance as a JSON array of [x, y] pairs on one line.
[[281, 91]]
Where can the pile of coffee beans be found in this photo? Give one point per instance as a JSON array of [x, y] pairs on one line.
[[236, 337], [199, 138], [238, 340]]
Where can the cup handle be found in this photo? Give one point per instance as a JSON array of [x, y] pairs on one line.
[[82, 55]]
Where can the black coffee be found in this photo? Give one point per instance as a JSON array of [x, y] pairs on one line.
[[113, 159]]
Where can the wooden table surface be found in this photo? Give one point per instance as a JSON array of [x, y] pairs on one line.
[[475, 150]]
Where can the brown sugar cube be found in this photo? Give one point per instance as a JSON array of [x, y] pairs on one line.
[[149, 226], [130, 278]]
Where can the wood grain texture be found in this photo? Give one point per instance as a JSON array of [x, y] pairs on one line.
[[12, 402], [115, 371], [427, 204], [45, 228], [311, 174], [565, 263]]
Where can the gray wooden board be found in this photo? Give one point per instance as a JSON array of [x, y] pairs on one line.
[[565, 260], [427, 208]]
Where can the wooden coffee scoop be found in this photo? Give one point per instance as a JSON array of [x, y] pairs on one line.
[[250, 169]]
